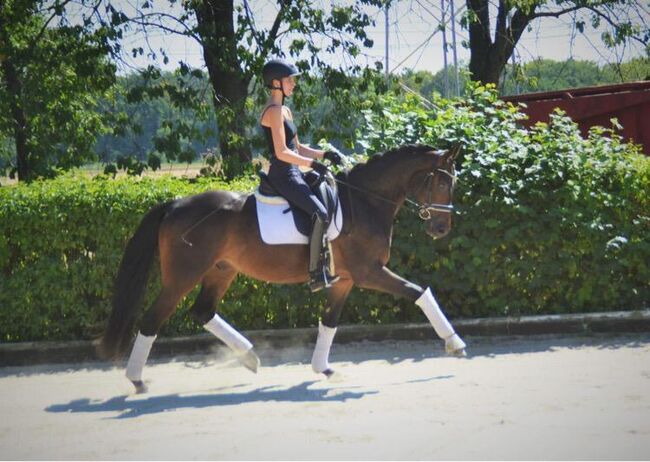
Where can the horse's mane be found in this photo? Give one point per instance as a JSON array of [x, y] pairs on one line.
[[380, 162]]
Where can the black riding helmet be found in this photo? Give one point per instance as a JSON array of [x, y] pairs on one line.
[[277, 69]]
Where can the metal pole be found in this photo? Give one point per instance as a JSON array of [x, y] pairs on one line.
[[387, 37], [444, 47], [514, 60], [514, 73], [453, 41]]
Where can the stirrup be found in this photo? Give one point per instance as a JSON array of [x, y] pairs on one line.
[[322, 280]]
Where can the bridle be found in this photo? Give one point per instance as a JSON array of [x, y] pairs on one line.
[[425, 210]]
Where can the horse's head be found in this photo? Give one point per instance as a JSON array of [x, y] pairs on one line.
[[433, 189]]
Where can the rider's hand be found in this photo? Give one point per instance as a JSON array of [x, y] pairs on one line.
[[335, 157], [319, 168]]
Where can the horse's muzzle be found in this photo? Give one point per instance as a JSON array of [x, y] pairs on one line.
[[439, 228]]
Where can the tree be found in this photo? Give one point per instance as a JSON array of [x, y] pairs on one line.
[[635, 69], [151, 107], [51, 76], [426, 83], [490, 53], [236, 45], [547, 75]]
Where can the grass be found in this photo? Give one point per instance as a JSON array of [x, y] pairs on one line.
[[167, 168], [190, 170]]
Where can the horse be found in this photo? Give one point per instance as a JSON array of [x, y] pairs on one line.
[[211, 237]]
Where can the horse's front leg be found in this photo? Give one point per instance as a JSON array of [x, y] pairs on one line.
[[384, 280], [336, 297]]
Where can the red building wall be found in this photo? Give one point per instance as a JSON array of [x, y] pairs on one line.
[[628, 102]]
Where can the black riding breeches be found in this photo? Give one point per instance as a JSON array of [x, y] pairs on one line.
[[290, 182]]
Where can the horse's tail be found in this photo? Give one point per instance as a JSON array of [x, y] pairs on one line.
[[130, 284]]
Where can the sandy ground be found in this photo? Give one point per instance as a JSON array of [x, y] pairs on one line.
[[535, 398]]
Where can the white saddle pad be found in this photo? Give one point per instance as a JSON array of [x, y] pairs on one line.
[[277, 227]]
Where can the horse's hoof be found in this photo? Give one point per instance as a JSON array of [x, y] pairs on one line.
[[458, 353], [333, 376], [250, 361], [454, 346], [140, 386]]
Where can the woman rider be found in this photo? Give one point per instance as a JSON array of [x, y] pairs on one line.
[[287, 154]]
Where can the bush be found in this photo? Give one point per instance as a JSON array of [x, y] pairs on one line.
[[62, 241], [547, 222]]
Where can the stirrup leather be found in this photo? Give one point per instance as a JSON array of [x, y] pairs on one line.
[[321, 264]]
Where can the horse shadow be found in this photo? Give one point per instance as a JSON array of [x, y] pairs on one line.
[[157, 404]]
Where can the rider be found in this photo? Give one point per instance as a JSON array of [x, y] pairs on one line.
[[287, 154]]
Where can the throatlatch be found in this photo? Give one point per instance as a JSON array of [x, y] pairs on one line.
[[321, 264]]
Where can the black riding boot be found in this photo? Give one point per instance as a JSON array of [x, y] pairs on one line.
[[319, 257]]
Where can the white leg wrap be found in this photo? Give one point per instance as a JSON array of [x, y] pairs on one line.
[[435, 314], [139, 355], [227, 334], [455, 345], [319, 360]]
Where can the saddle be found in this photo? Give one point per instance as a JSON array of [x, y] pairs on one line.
[[280, 222]]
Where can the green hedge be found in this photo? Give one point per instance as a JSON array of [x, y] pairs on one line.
[[62, 243], [547, 222]]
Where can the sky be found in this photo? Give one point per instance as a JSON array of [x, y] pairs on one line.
[[411, 24]]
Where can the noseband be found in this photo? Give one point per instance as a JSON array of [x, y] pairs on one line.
[[426, 210]]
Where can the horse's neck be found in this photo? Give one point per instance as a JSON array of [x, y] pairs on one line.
[[389, 184]]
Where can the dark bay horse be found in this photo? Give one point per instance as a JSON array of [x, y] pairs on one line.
[[209, 238]]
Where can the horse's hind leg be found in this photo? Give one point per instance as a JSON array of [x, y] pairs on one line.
[[336, 297], [214, 285], [180, 272]]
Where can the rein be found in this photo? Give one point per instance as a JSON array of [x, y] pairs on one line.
[[423, 210]]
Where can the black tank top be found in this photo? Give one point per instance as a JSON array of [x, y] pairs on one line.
[[290, 132]]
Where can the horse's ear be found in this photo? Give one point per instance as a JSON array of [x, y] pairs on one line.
[[454, 151]]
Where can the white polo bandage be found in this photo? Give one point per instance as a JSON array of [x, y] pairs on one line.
[[434, 314], [139, 355], [227, 334], [320, 358]]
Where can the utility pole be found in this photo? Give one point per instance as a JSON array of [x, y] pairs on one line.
[[387, 31], [514, 60], [444, 46], [453, 41]]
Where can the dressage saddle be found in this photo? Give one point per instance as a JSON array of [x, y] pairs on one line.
[[325, 192]]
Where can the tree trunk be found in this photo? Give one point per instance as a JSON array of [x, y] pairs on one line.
[[11, 82], [480, 41], [488, 57], [230, 84], [486, 70], [14, 89]]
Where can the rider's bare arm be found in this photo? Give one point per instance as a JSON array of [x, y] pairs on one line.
[[307, 151]]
